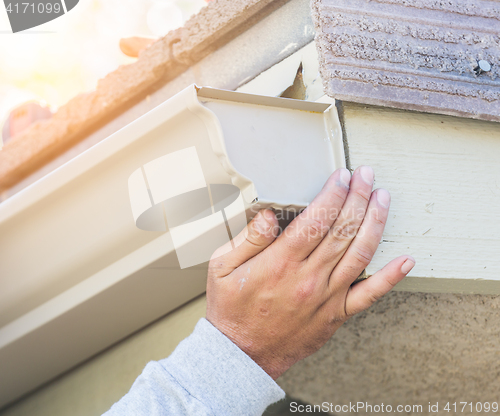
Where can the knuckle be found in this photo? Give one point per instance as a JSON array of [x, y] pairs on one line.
[[260, 229], [315, 227], [338, 194], [279, 267], [372, 297], [362, 256], [305, 290], [217, 267], [378, 218], [335, 320], [363, 196], [279, 270], [346, 230]]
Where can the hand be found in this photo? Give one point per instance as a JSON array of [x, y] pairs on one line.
[[280, 299]]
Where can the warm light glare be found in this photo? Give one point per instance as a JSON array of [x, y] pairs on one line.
[[62, 58]]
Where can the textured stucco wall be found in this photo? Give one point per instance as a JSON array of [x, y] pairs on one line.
[[410, 348]]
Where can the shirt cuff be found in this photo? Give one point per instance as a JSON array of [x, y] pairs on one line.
[[218, 373]]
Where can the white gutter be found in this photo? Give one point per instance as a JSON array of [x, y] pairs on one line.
[[78, 275]]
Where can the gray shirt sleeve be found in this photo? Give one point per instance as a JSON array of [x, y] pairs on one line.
[[206, 375]]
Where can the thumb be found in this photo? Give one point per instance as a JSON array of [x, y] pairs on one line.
[[256, 236]]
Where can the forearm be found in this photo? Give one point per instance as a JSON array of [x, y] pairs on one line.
[[206, 375]]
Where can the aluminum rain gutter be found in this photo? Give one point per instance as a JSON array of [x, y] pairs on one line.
[[78, 273]]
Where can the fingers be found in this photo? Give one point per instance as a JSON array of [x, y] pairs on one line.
[[363, 247], [364, 294], [344, 229], [257, 235], [306, 231]]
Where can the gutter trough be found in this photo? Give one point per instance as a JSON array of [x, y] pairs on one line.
[[103, 245]]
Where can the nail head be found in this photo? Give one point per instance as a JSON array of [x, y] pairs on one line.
[[484, 66]]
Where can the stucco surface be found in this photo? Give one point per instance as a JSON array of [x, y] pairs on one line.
[[409, 348]]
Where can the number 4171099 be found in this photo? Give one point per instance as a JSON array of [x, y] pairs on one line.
[[30, 8], [471, 407]]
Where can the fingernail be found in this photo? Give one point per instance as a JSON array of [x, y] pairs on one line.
[[408, 265], [265, 221], [345, 177], [383, 198], [367, 174], [261, 224]]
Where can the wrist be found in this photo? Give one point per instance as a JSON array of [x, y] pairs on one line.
[[264, 356]]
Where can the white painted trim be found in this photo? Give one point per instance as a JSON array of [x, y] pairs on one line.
[[444, 178]]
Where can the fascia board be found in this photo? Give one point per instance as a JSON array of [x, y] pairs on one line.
[[77, 275]]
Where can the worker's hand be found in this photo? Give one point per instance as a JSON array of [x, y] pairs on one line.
[[280, 299]]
